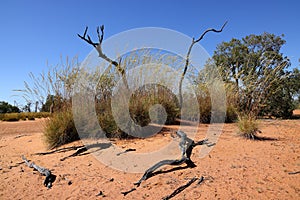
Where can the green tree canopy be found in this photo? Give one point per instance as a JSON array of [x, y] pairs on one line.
[[5, 107], [259, 71]]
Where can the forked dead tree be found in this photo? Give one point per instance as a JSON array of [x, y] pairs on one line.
[[187, 61]]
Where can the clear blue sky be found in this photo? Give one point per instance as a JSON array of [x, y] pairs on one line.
[[35, 31]]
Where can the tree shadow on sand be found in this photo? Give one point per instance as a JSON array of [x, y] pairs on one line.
[[80, 150], [264, 138]]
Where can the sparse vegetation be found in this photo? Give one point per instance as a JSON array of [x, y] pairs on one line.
[[23, 116], [251, 68]]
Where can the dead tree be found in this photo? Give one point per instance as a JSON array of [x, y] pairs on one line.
[[98, 47], [36, 106], [187, 60]]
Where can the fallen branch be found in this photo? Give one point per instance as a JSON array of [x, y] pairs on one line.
[[186, 146], [180, 189], [50, 178]]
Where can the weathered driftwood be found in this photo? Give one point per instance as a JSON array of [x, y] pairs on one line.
[[186, 146], [50, 178]]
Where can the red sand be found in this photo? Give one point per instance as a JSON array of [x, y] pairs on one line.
[[235, 169]]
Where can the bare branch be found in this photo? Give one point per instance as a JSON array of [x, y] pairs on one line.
[[209, 30], [188, 57], [100, 37], [88, 39], [97, 45]]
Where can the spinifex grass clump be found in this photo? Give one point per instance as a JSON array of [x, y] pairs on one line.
[[60, 129], [150, 95], [248, 127]]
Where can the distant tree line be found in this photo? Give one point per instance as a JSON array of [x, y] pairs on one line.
[[5, 107]]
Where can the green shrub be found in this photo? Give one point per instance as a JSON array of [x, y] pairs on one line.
[[23, 116], [231, 115], [31, 116], [11, 117], [248, 127], [106, 120], [60, 129], [150, 95]]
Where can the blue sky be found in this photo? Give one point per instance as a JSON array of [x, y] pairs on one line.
[[35, 32]]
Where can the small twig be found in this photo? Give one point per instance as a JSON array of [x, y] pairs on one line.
[[201, 179], [19, 136], [129, 191], [127, 150], [292, 173], [180, 189], [100, 194]]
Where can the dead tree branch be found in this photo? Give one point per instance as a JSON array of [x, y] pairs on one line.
[[187, 61], [50, 178], [186, 146], [98, 47]]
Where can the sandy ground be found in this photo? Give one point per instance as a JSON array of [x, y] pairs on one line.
[[236, 168]]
